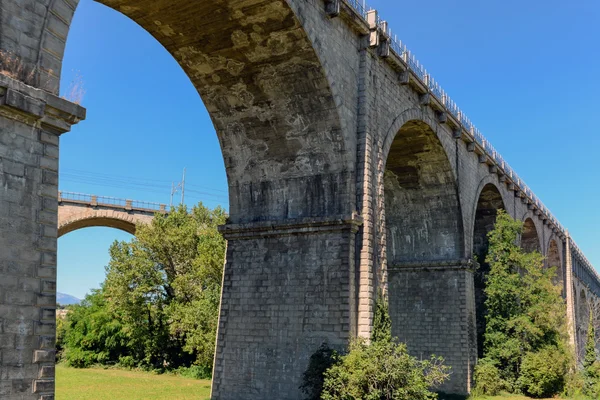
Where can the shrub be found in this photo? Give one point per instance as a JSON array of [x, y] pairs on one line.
[[488, 380], [313, 378], [127, 362], [382, 370], [195, 372], [543, 372], [574, 383]]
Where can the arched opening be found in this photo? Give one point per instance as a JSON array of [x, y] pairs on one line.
[[553, 261], [286, 157], [530, 240], [81, 258], [488, 204], [92, 221], [424, 244], [421, 202], [269, 100], [583, 318]]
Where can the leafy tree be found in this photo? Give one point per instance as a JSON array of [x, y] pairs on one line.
[[526, 315], [93, 334], [165, 285]]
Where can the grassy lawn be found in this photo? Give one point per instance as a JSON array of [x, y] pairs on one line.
[[113, 384]]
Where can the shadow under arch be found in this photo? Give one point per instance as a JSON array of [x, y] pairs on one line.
[[530, 240], [424, 246], [553, 259], [489, 202], [583, 318], [422, 208]]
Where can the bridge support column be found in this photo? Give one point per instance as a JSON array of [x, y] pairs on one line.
[[288, 287], [570, 296], [432, 307], [30, 124]]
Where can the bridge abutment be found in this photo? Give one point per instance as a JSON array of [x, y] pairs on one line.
[[32, 121]]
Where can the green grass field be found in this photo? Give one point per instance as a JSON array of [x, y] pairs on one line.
[[114, 384]]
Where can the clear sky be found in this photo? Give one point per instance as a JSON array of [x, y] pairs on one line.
[[526, 74]]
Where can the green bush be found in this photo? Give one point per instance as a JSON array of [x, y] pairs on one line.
[[127, 362], [313, 378], [574, 383], [382, 370], [195, 372], [543, 372], [488, 380]]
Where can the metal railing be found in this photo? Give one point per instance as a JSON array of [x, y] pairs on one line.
[[450, 106], [110, 201]]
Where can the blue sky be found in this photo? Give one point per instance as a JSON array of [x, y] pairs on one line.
[[524, 72]]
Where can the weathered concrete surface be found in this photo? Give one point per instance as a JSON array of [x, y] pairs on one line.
[[345, 174]]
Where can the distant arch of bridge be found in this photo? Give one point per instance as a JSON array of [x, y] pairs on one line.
[[77, 211]]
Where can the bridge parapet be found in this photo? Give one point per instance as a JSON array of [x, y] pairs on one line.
[[112, 202]]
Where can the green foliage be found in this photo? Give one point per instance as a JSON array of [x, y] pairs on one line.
[[488, 379], [382, 370], [382, 323], [543, 372], [574, 383], [93, 333], [313, 378], [195, 372], [158, 308], [526, 317], [591, 366]]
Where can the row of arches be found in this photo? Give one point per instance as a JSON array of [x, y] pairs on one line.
[[426, 224]]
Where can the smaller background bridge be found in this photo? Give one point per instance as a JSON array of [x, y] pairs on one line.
[[78, 210]]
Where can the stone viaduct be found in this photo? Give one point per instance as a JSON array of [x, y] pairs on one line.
[[77, 211], [349, 170]]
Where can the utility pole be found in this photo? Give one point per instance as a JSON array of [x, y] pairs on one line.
[[175, 188], [183, 186]]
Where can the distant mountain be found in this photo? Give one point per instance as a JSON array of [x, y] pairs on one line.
[[66, 299]]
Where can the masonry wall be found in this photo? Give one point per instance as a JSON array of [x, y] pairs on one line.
[[433, 312], [284, 294], [29, 142]]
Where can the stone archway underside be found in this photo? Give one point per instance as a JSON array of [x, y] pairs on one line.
[[424, 239], [530, 240], [123, 225], [553, 260]]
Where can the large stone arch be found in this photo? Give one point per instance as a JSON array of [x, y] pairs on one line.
[[489, 201], [264, 86], [422, 208], [530, 240], [425, 246]]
